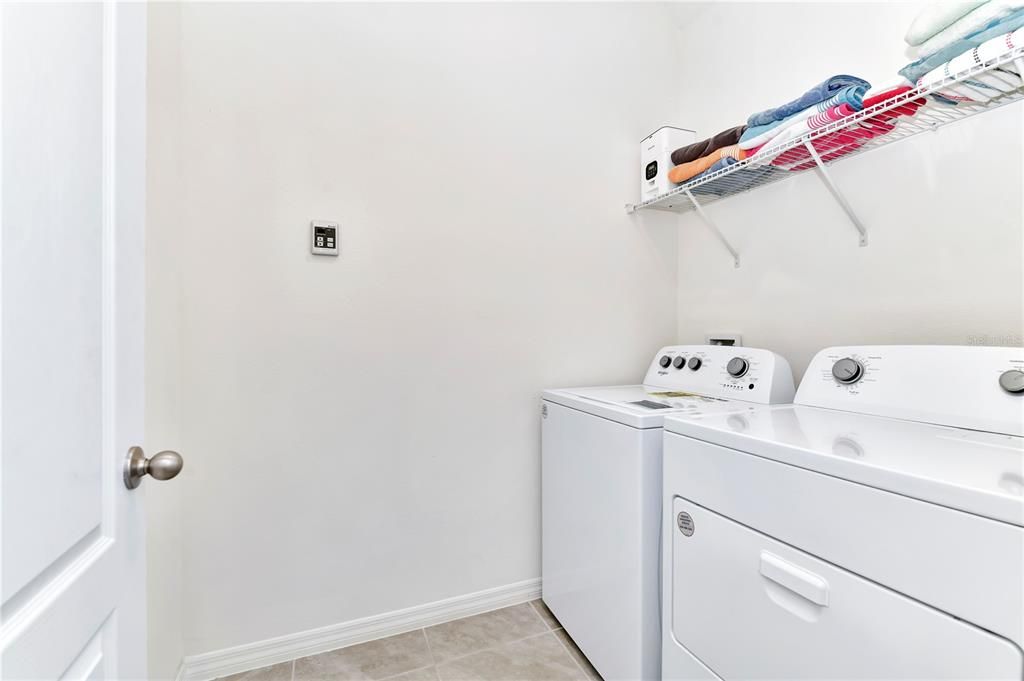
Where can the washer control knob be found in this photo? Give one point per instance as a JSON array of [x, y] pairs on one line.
[[694, 363], [847, 370], [665, 361], [737, 366], [1012, 381], [679, 362]]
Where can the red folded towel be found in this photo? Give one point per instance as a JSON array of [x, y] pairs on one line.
[[882, 96], [842, 142], [833, 145]]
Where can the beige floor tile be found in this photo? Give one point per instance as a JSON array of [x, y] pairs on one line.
[[426, 674], [540, 658], [545, 614], [373, 660], [578, 655], [470, 634], [275, 672]]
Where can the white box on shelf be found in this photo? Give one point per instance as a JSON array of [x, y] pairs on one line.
[[656, 159]]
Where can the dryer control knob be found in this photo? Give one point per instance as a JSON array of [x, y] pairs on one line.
[[1012, 381], [737, 366], [847, 370], [679, 362], [665, 361], [694, 363]]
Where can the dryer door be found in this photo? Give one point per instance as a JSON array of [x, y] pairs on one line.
[[750, 607]]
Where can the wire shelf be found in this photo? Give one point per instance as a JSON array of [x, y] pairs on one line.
[[894, 119]]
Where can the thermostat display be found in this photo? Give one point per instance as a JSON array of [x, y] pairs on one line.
[[325, 238]]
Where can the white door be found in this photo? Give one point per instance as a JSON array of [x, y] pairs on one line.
[[72, 571]]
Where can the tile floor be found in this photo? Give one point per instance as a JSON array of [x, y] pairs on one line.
[[520, 643]]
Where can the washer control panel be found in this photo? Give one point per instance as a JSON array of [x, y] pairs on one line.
[[750, 374], [966, 386]]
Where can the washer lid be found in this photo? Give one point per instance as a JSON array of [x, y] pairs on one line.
[[974, 471], [640, 406]]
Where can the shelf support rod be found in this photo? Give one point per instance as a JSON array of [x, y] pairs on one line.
[[714, 228], [843, 203]]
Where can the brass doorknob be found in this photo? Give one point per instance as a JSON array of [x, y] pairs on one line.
[[161, 466]]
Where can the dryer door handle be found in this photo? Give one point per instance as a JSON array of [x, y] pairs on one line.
[[796, 579]]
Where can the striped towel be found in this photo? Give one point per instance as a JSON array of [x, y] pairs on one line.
[[852, 96], [980, 87], [847, 140], [998, 28], [821, 92], [833, 145], [818, 120]]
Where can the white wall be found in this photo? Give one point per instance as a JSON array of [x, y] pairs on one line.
[[361, 433], [943, 210], [164, 545]]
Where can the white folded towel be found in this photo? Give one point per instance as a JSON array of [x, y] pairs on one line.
[[958, 92], [972, 57], [935, 17], [978, 19], [997, 47]]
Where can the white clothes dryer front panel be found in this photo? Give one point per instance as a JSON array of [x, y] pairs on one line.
[[751, 607]]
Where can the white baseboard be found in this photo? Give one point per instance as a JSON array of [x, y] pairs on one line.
[[293, 646]]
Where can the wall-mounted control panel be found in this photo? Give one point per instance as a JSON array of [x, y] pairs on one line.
[[325, 237]]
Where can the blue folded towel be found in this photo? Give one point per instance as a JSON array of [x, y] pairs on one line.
[[819, 93], [1007, 24], [852, 95]]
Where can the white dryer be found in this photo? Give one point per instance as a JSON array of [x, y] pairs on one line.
[[601, 480], [872, 530]]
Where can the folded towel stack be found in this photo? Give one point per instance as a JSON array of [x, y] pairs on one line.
[[980, 87], [842, 142], [821, 92], [831, 100], [847, 100], [698, 149], [707, 156], [936, 17], [949, 38]]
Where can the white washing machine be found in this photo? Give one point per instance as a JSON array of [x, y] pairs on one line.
[[872, 530], [601, 479]]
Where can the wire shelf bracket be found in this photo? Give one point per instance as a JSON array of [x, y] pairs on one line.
[[838, 195], [714, 228]]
